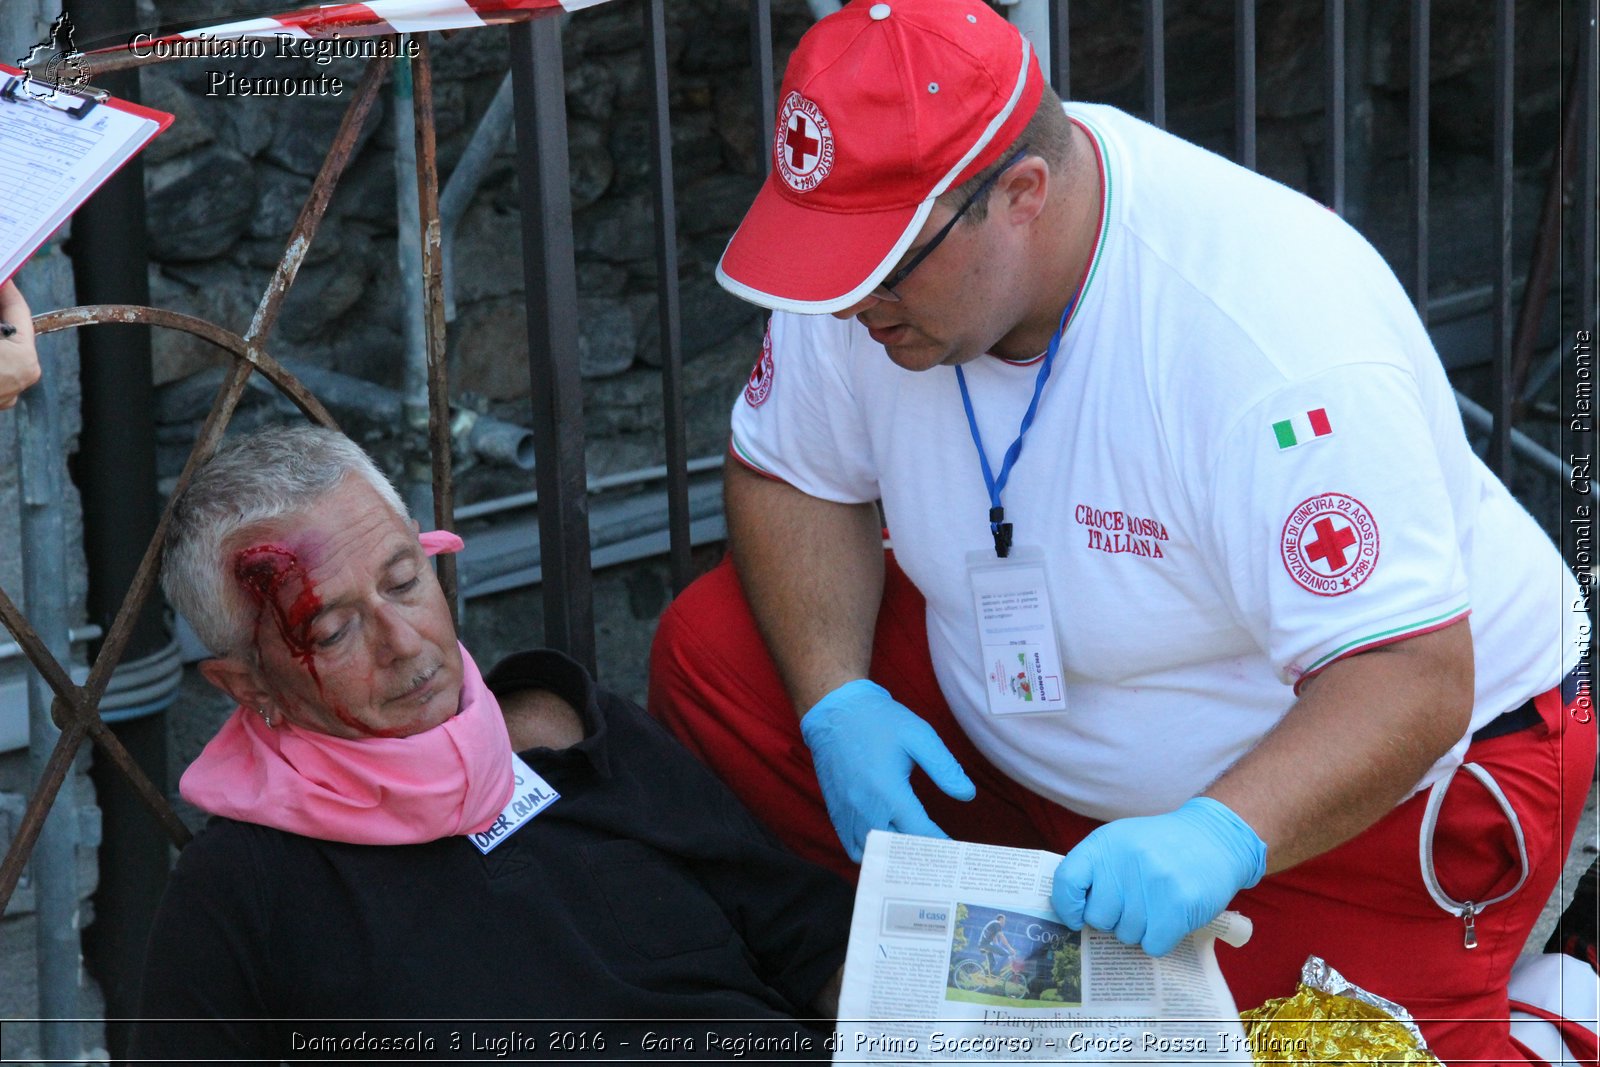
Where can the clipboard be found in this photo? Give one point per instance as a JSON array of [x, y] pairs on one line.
[[55, 151]]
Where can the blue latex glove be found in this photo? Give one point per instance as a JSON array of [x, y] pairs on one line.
[[864, 743], [1153, 880]]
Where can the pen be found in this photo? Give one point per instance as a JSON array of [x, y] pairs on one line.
[[6, 330]]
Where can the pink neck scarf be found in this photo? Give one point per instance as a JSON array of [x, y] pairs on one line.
[[452, 779]]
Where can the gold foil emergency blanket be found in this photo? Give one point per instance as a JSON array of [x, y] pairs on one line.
[[1331, 1020]]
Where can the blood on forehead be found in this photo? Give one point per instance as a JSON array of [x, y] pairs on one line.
[[278, 583], [280, 587]]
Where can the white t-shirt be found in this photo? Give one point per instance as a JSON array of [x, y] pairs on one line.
[[1247, 463]]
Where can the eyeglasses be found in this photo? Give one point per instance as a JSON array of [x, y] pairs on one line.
[[885, 289]]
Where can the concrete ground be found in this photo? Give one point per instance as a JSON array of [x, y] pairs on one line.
[[19, 1034]]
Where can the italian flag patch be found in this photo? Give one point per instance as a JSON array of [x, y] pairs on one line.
[[1307, 426]]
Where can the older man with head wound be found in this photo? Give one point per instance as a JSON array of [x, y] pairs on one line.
[[402, 847]]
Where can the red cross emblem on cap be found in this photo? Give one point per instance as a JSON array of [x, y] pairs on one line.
[[1330, 544], [803, 146]]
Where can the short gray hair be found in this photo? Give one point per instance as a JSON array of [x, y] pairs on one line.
[[264, 475]]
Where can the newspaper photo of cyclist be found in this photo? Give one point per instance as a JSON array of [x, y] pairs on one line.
[[1013, 957]]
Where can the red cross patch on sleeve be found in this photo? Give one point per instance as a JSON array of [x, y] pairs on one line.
[[1330, 544], [759, 387]]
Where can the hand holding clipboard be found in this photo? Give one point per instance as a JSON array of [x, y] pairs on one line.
[[19, 362]]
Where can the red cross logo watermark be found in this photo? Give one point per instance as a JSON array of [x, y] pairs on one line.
[[1330, 544], [803, 145]]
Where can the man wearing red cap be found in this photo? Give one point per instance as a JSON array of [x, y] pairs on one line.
[[1177, 485]]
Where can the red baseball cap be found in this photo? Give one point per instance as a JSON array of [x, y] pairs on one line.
[[884, 106]]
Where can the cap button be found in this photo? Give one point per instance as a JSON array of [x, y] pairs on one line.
[[879, 11]]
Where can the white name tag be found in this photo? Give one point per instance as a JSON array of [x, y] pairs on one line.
[[1016, 632], [531, 796]]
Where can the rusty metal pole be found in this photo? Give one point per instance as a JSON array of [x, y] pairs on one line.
[[418, 487], [551, 292], [1546, 239], [1499, 400], [668, 307], [765, 94], [435, 365]]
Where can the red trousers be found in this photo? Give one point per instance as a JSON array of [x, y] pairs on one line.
[[1362, 907]]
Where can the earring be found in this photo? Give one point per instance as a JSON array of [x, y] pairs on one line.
[[266, 718]]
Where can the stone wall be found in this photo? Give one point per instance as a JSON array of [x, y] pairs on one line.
[[226, 181]]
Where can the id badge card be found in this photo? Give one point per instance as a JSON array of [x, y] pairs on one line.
[[531, 795], [1016, 631]]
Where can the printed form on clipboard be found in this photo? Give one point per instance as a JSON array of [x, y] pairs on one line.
[[52, 158]]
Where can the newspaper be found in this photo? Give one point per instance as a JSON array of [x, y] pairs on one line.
[[918, 987]]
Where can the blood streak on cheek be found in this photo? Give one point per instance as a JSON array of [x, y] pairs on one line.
[[278, 583]]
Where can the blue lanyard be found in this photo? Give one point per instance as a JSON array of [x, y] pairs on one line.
[[997, 514]]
